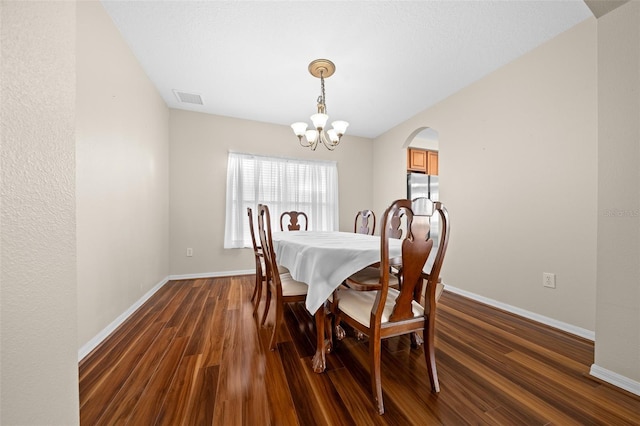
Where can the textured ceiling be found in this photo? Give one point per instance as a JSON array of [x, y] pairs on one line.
[[393, 58]]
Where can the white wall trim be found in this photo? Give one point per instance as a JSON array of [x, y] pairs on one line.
[[578, 331], [98, 338], [615, 379], [212, 274], [608, 376]]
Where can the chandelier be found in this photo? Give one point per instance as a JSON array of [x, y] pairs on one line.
[[320, 68]]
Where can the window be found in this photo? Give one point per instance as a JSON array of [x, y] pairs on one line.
[[283, 184]]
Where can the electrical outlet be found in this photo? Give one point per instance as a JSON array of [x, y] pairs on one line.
[[189, 252], [549, 280]]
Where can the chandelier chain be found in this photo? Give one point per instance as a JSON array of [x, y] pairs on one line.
[[322, 100]]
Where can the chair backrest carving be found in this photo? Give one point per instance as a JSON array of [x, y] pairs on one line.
[[393, 225], [294, 221], [365, 222], [416, 246]]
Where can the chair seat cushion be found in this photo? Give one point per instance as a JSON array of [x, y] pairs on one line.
[[282, 270], [371, 275], [291, 287], [358, 304]]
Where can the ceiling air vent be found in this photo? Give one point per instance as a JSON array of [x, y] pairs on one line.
[[188, 98]]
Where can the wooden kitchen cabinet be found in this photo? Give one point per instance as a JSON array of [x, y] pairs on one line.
[[416, 160], [422, 161], [432, 162]]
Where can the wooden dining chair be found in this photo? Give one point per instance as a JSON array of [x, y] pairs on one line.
[[368, 278], [281, 287], [389, 312], [365, 222], [260, 266], [293, 223]]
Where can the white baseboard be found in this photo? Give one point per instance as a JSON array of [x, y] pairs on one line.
[[97, 339], [212, 274], [578, 331], [601, 373], [615, 379]]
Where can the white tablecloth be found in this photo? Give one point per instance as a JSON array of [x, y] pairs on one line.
[[324, 260]]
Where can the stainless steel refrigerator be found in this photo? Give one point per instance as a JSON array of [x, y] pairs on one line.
[[421, 185]]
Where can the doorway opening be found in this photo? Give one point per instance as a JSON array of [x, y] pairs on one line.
[[423, 138], [422, 148]]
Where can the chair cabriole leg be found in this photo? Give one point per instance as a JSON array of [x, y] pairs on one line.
[[276, 324], [267, 303], [430, 354], [257, 293], [376, 379]]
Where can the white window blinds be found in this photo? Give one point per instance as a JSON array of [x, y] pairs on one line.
[[283, 184]]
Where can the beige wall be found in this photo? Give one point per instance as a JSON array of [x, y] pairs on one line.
[[618, 302], [122, 176], [518, 173], [199, 147], [38, 369]]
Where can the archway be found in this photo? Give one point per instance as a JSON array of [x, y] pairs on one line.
[[422, 147], [424, 138]]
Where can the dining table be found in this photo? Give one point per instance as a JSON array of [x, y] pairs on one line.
[[324, 260]]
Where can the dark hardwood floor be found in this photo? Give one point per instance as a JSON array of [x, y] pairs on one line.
[[195, 355]]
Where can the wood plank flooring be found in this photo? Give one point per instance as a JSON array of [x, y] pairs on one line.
[[195, 355]]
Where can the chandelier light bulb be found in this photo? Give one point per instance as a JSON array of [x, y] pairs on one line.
[[299, 128], [319, 120], [333, 136], [311, 135], [340, 127]]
